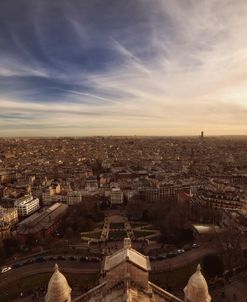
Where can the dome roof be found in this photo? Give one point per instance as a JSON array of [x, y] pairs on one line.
[[197, 288], [58, 288]]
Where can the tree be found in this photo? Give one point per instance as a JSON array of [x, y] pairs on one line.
[[171, 218], [202, 214], [68, 233], [11, 246], [213, 266], [175, 226], [135, 208], [229, 244], [2, 254], [80, 218]]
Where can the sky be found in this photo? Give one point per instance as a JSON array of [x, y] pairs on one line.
[[123, 67]]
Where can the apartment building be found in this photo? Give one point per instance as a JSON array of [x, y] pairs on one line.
[[26, 205], [116, 196], [9, 215]]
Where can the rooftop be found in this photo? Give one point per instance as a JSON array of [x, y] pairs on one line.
[[127, 254]]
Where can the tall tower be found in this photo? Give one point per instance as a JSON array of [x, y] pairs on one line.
[[202, 134]]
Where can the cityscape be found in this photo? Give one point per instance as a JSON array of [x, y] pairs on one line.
[[161, 205], [123, 151]]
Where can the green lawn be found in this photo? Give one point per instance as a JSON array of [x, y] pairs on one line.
[[137, 224], [116, 225], [117, 235], [139, 234], [94, 235], [151, 227], [100, 225]]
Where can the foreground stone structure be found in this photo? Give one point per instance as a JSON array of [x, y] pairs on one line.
[[125, 278], [58, 288]]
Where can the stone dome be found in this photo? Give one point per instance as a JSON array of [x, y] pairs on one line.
[[197, 288], [58, 289]]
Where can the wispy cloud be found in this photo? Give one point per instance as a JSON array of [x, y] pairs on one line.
[[166, 67]]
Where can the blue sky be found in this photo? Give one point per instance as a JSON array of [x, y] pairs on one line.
[[113, 67]]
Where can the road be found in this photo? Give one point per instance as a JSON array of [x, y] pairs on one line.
[[84, 267], [75, 267], [182, 260]]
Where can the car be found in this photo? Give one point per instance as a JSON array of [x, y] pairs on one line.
[[180, 251], [6, 269], [52, 258], [29, 261], [187, 247], [61, 258], [152, 258], [171, 254], [162, 256], [17, 265], [195, 245], [84, 258], [72, 258], [40, 259]]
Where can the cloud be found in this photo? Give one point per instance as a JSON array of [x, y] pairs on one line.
[[167, 68]]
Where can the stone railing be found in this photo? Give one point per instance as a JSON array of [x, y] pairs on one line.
[[99, 290], [92, 292], [164, 293]]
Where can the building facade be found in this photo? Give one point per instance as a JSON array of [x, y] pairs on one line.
[[27, 205], [9, 215], [42, 223], [116, 196]]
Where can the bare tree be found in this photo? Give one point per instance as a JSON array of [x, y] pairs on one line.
[[228, 243]]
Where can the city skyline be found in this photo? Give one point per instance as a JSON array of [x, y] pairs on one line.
[[123, 68]]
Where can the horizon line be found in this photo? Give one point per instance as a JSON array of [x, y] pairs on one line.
[[132, 136]]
